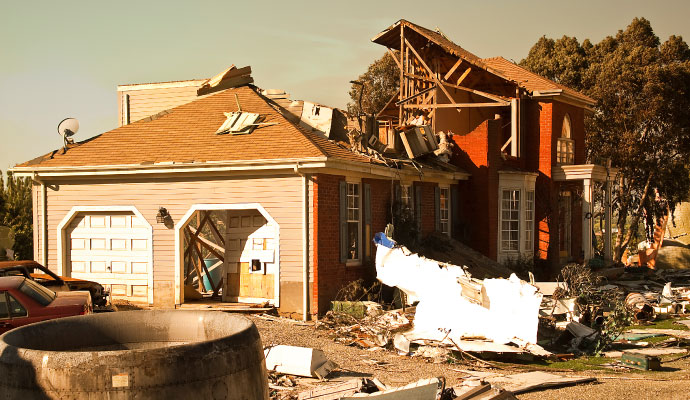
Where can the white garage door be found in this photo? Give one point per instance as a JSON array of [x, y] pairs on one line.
[[113, 249]]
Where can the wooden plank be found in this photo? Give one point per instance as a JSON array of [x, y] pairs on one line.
[[464, 75], [450, 72], [415, 95], [431, 73], [216, 233], [398, 62], [456, 105], [477, 92]]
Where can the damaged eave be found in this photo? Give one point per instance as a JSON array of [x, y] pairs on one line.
[[564, 97], [172, 168], [380, 171]]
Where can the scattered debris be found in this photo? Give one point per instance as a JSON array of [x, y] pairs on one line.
[[498, 310], [641, 361], [301, 361], [524, 382]]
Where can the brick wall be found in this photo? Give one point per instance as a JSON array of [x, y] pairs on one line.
[[330, 275]]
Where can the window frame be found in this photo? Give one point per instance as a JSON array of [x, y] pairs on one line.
[[446, 190], [358, 220], [565, 145], [502, 240], [524, 183]]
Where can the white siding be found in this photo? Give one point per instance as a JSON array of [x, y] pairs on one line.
[[280, 196]]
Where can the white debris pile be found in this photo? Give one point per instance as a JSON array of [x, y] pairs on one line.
[[453, 307]]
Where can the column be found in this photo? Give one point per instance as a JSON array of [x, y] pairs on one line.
[[608, 211], [587, 219]]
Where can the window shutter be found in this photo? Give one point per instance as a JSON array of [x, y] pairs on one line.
[[343, 221], [367, 204], [418, 206], [437, 207], [455, 210], [398, 193]]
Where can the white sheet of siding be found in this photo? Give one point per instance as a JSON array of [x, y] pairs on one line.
[[280, 196]]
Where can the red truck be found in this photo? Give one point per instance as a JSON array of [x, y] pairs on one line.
[[23, 301]]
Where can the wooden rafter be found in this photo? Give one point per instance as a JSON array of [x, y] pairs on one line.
[[431, 73], [477, 92], [464, 75], [394, 58], [414, 96], [450, 72]]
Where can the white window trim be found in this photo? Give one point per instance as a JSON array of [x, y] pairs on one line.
[[358, 260], [523, 182]]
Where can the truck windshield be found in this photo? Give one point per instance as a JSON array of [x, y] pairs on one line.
[[37, 292]]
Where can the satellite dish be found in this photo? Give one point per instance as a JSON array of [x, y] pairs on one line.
[[67, 128]]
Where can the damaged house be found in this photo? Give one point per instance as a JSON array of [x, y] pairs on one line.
[[218, 186], [218, 175], [519, 135]]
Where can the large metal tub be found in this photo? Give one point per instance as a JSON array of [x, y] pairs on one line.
[[135, 355]]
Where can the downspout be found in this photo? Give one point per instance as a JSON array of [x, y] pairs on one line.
[[44, 220], [305, 242]]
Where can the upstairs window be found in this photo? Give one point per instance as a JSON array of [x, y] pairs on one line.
[[565, 152], [444, 207]]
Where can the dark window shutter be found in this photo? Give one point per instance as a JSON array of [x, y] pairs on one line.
[[455, 210], [437, 207], [343, 221], [367, 204], [418, 206], [398, 193]]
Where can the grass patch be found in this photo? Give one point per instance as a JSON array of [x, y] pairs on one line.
[[662, 324], [655, 339], [581, 363]]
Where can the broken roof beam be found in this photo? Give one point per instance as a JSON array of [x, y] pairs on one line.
[[431, 73], [450, 72], [477, 92], [456, 105], [405, 100]]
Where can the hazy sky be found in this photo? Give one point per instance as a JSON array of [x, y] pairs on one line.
[[65, 58]]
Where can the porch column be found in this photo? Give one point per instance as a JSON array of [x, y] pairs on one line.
[[608, 211], [587, 219]]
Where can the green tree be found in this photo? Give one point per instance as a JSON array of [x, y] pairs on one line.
[[16, 212], [641, 120], [381, 81]]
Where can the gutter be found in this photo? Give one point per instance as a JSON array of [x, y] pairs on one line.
[[44, 219], [305, 242], [565, 97]]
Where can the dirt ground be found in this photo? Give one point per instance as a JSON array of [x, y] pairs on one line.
[[673, 382]]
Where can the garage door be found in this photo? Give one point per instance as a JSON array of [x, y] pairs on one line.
[[113, 249]]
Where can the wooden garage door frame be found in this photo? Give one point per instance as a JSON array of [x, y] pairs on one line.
[[179, 245], [62, 237]]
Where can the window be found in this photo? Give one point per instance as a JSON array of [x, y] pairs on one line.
[[529, 221], [444, 208], [37, 292], [16, 308], [565, 150], [353, 221], [406, 196], [510, 220], [4, 310]]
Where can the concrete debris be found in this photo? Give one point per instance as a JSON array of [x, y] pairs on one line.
[[300, 361]]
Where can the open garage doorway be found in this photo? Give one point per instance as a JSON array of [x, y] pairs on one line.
[[227, 253]]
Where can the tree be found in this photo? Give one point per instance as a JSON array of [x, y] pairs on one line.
[[640, 122], [381, 81], [16, 212]]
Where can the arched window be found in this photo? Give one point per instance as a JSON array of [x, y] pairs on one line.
[[566, 144]]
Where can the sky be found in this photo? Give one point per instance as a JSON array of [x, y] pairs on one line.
[[62, 59]]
